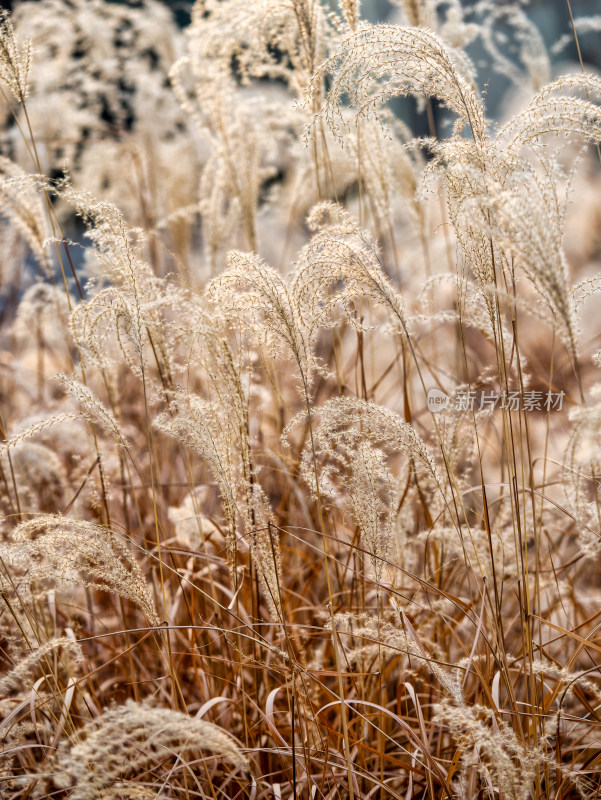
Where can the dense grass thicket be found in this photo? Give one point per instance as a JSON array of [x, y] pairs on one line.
[[300, 415]]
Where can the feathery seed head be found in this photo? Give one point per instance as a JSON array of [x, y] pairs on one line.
[[15, 58]]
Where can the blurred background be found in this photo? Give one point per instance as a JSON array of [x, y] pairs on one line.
[[551, 18], [106, 116]]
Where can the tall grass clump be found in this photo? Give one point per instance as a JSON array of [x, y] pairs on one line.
[[299, 409]]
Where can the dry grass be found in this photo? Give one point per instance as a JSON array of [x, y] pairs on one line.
[[243, 553]]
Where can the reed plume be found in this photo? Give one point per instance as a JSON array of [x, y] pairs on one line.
[[125, 740], [60, 549]]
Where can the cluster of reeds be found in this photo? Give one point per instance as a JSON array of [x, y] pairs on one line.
[[300, 414]]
